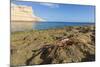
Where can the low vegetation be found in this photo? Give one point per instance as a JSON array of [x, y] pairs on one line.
[[25, 46]]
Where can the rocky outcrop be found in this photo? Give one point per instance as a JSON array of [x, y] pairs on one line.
[[23, 13]]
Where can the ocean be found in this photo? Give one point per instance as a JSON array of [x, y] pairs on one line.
[[49, 25], [26, 26]]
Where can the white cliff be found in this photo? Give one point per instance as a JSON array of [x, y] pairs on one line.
[[23, 13]]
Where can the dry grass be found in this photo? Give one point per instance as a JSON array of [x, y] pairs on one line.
[[22, 44]]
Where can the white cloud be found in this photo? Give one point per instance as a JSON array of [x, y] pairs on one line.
[[52, 5], [13, 5], [82, 2]]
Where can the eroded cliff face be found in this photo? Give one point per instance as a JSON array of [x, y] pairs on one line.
[[23, 13]]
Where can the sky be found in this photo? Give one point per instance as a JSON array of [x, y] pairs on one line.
[[61, 12]]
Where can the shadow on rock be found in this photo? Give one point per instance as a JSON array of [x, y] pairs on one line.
[[89, 57]]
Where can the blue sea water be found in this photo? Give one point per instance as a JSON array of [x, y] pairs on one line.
[[49, 25]]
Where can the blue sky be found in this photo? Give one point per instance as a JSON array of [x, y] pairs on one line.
[[61, 12]]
